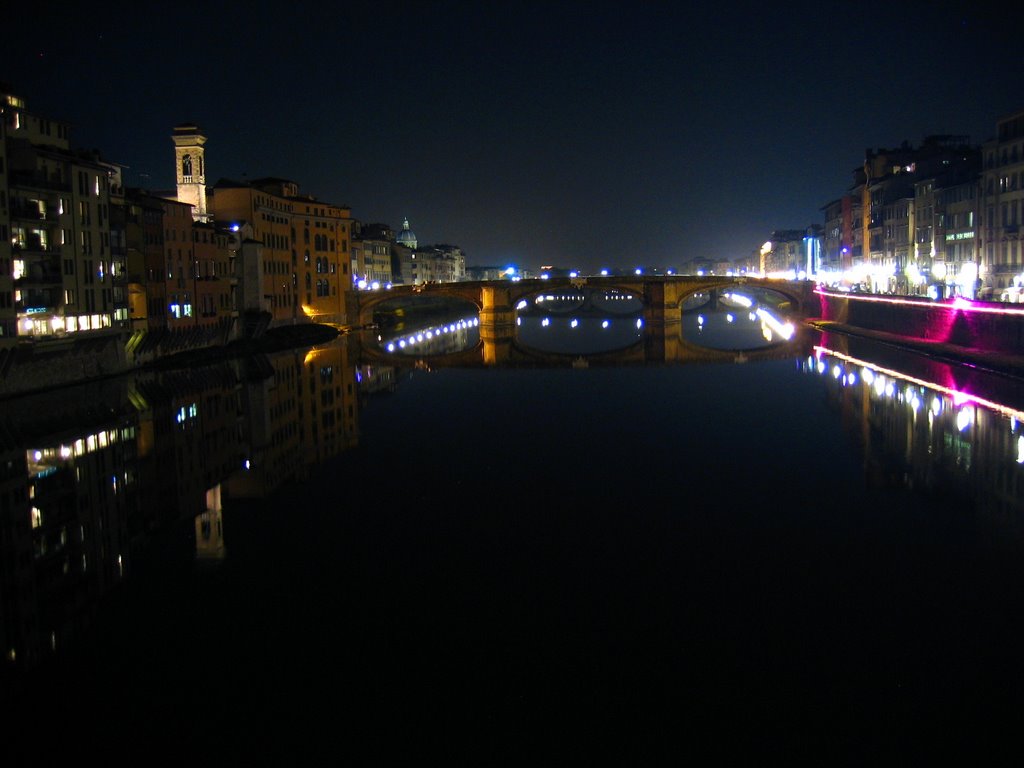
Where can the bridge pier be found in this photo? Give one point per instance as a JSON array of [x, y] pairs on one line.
[[497, 323], [660, 310], [497, 315]]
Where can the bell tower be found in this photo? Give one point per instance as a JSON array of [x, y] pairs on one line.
[[190, 162]]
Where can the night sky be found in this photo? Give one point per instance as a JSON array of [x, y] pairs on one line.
[[574, 134]]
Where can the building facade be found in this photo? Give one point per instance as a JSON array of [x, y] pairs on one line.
[[372, 254], [1002, 180], [61, 284], [306, 248]]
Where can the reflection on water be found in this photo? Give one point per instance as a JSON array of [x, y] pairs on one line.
[[91, 473], [580, 321], [584, 321], [95, 477], [578, 335], [453, 335], [919, 428], [734, 320]]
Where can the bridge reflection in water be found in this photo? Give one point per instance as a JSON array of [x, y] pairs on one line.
[[605, 327], [290, 450]]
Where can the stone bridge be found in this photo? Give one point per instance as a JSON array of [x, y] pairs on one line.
[[662, 295], [662, 299]]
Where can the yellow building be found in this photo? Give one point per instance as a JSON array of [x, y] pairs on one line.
[[306, 244]]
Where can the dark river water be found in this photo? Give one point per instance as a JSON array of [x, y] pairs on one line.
[[808, 550]]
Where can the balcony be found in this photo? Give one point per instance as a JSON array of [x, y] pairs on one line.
[[34, 180], [31, 245], [42, 272], [31, 213]]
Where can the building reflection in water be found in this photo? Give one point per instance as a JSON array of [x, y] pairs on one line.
[[69, 488], [91, 473]]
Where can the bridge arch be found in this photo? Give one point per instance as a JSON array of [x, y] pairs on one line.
[[662, 296]]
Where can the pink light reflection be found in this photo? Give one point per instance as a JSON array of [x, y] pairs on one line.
[[958, 397]]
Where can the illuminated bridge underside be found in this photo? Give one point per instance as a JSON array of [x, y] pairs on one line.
[[662, 296]]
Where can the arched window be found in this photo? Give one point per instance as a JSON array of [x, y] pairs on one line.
[[309, 281], [186, 165]]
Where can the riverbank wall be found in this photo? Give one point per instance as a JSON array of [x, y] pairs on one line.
[[56, 363], [986, 331], [32, 367]]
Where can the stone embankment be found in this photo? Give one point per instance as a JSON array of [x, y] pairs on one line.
[[24, 370], [273, 340], [981, 334]]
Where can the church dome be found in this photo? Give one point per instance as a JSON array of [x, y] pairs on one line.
[[407, 237]]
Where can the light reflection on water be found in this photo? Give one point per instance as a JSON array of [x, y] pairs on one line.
[[455, 335], [579, 335], [577, 323], [737, 321], [702, 543]]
